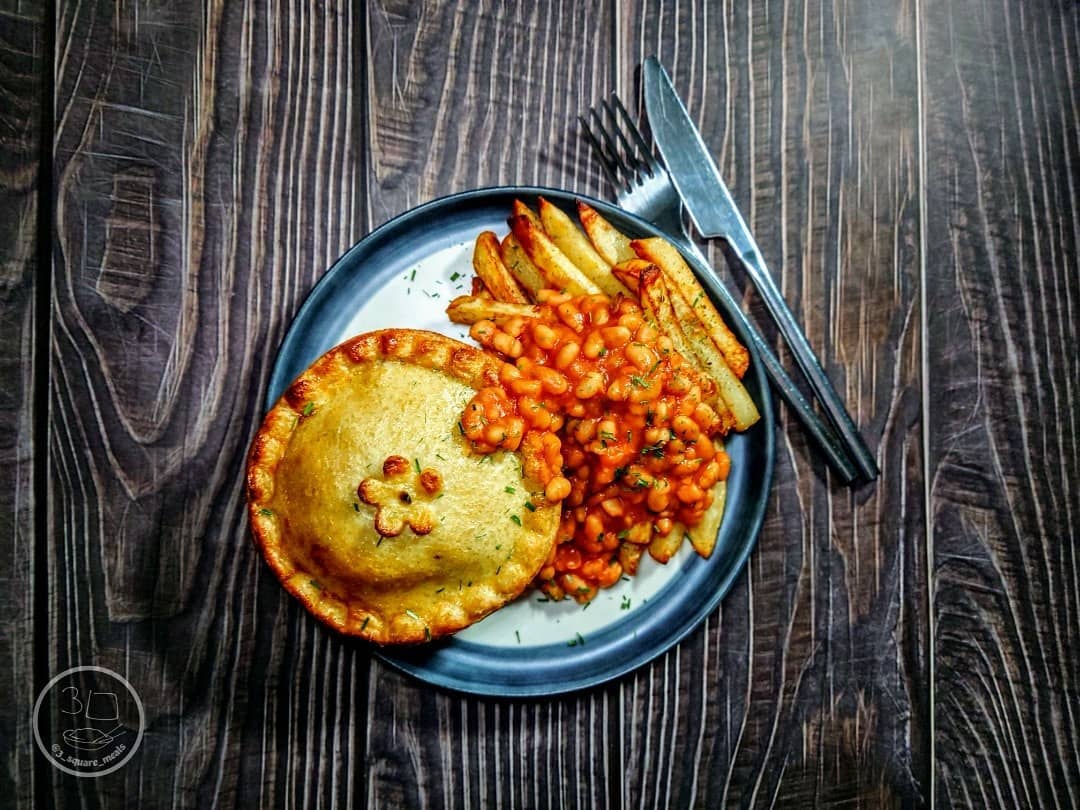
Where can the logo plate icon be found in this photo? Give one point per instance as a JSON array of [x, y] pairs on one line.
[[88, 721]]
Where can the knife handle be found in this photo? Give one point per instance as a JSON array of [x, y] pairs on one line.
[[823, 435], [831, 402]]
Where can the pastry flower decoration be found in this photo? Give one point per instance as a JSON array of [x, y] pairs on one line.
[[399, 498]]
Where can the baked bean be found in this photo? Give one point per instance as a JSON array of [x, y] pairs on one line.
[[613, 506], [594, 345], [553, 381], [545, 336], [686, 428], [689, 492], [615, 336], [557, 489], [514, 326], [524, 387], [552, 297], [571, 316], [591, 385], [567, 354], [611, 421], [641, 356], [619, 390], [659, 495]]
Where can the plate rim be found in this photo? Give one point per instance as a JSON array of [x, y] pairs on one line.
[[411, 660]]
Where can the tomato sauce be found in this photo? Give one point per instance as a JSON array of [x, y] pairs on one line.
[[613, 422]]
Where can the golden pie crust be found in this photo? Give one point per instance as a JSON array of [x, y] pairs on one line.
[[371, 507]]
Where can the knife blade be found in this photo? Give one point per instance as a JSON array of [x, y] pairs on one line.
[[713, 211]]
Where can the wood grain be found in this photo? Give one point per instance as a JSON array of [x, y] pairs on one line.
[[1002, 239], [469, 95], [208, 169], [910, 173], [23, 63], [810, 676], [807, 681]]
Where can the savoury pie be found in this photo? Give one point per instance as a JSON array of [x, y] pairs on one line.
[[369, 503]]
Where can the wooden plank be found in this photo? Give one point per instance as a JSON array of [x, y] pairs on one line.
[[22, 73], [208, 171], [1001, 122], [807, 688], [468, 95]]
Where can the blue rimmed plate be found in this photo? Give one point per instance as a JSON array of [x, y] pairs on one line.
[[403, 275]]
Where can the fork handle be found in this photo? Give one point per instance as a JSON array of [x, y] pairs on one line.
[[823, 435]]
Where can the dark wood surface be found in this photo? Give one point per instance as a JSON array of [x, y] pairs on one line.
[[910, 171]]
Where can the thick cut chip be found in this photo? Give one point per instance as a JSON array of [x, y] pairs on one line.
[[572, 242], [558, 271], [609, 242], [667, 258], [703, 535], [489, 266], [469, 309], [521, 267], [369, 504]]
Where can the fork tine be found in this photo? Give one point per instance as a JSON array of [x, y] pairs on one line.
[[606, 162], [635, 167], [635, 133], [617, 157]]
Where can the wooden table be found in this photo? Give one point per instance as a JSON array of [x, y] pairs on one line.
[[177, 176]]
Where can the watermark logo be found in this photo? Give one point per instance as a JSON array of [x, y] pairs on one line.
[[88, 721]]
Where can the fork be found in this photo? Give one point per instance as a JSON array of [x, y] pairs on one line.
[[643, 187]]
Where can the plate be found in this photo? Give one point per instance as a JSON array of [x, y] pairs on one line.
[[403, 275]]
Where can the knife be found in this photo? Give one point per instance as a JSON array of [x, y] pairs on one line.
[[711, 207]]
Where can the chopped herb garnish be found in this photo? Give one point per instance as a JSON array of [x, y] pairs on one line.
[[412, 275], [656, 450], [516, 519], [578, 639], [623, 534], [266, 512], [416, 465], [529, 506], [440, 590], [356, 506], [455, 276], [364, 624], [603, 351], [607, 436], [461, 428], [509, 490], [427, 633], [440, 458], [517, 635], [315, 584], [638, 381], [309, 409], [625, 603], [620, 472], [696, 299], [497, 570]]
